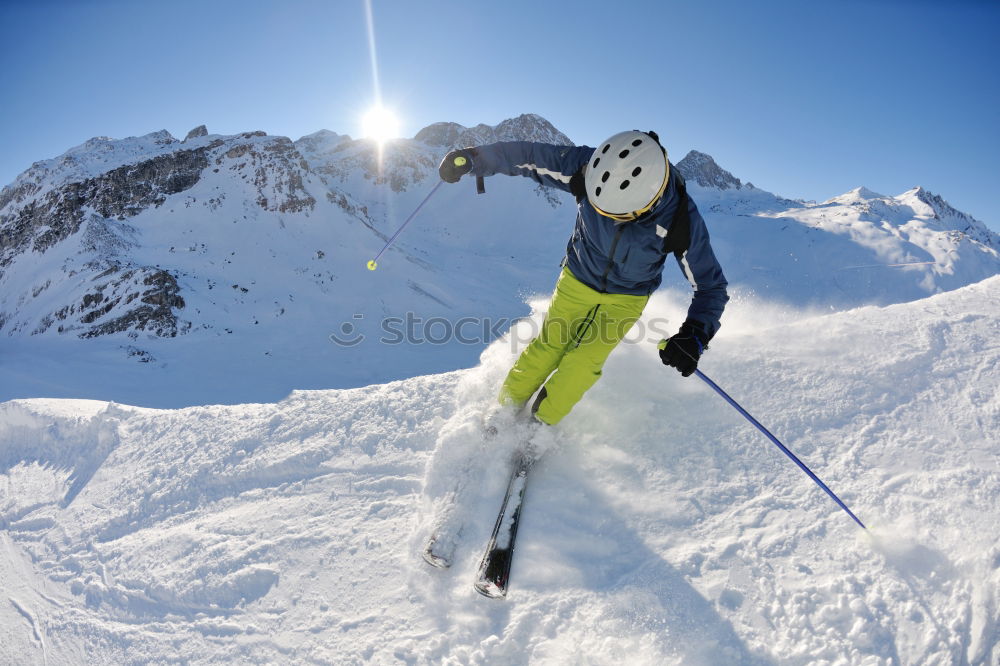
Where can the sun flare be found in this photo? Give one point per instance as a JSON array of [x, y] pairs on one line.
[[379, 124]]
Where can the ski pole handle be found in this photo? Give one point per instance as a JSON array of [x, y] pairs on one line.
[[459, 162]]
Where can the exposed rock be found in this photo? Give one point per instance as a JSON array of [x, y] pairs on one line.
[[526, 127], [275, 168], [162, 138], [440, 134], [531, 127], [948, 218], [140, 355], [323, 141], [118, 194], [200, 130], [941, 208], [155, 315], [701, 168]]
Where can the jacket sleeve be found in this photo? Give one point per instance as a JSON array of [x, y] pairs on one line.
[[703, 271], [547, 164]]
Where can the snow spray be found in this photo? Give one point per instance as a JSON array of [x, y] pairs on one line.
[[781, 446], [373, 264]]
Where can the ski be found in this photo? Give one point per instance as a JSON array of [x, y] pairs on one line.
[[494, 570], [440, 549], [434, 556]]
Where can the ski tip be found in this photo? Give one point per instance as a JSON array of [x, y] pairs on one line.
[[491, 590], [436, 561]]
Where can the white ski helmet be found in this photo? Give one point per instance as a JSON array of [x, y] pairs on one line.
[[626, 175]]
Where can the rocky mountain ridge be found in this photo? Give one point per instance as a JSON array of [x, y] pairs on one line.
[[701, 169], [78, 197]]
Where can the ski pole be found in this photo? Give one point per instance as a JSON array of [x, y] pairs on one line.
[[373, 264], [781, 446]]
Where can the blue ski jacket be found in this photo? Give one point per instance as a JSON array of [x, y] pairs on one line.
[[618, 257]]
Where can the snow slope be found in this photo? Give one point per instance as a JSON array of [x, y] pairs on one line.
[[659, 529]]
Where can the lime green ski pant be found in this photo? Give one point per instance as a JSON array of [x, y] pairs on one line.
[[580, 330]]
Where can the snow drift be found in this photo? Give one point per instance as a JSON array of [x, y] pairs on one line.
[[660, 528]]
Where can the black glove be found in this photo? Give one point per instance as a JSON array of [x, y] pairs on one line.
[[455, 164], [683, 350]]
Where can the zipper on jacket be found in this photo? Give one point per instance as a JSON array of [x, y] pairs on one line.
[[611, 257]]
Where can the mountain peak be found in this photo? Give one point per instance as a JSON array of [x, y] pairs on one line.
[[323, 140], [702, 169], [857, 195], [440, 134], [939, 208], [525, 127], [864, 193], [531, 127], [198, 131]]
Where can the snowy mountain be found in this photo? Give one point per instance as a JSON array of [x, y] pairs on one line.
[[660, 528], [225, 268], [196, 261]]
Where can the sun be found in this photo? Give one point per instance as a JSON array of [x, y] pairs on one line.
[[379, 124]]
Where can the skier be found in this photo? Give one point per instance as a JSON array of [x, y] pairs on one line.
[[632, 211]]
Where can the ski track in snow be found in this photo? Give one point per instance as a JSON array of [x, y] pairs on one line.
[[659, 528]]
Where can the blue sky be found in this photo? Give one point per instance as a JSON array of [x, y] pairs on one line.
[[806, 99]]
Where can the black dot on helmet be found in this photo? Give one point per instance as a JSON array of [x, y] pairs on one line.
[[636, 171], [598, 191], [604, 178], [596, 161], [623, 154], [637, 142], [606, 146], [624, 184]]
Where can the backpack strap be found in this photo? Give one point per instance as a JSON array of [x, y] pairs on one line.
[[577, 183], [678, 238]]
